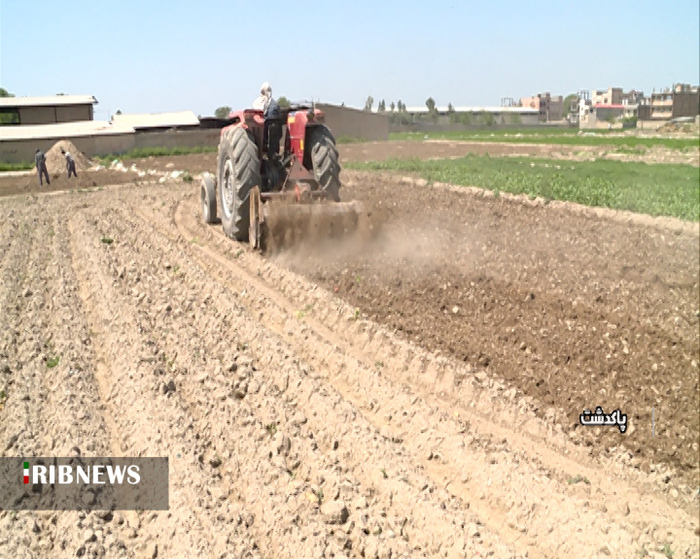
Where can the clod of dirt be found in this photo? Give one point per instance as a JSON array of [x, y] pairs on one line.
[[334, 512]]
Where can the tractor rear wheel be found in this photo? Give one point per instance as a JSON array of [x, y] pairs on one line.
[[239, 171], [324, 158]]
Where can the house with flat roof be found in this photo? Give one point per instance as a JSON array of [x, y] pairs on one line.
[[23, 111]]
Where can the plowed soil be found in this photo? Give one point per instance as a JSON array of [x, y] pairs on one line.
[[412, 396]]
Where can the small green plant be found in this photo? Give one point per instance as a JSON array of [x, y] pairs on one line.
[[577, 479], [194, 240], [358, 279], [319, 495], [357, 313], [271, 429], [379, 364], [107, 240], [302, 313], [384, 473], [187, 177], [666, 550], [239, 252], [51, 362]]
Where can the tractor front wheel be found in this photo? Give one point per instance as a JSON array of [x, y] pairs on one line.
[[239, 171], [324, 158], [208, 198]]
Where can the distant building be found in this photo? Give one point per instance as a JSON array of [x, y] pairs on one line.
[[610, 96], [682, 100], [632, 97], [582, 98], [549, 108], [477, 115], [46, 110]]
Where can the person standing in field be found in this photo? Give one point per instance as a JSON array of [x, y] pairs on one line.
[[40, 160], [70, 163]]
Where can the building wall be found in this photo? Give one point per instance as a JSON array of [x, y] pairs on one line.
[[74, 113], [661, 106], [354, 123], [551, 108], [52, 115], [650, 124], [610, 96], [556, 108], [604, 114], [37, 115], [18, 151], [178, 138], [527, 121], [530, 102], [686, 103]]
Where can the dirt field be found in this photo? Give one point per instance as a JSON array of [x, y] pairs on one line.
[[415, 396]]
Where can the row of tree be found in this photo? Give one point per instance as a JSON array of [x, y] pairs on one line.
[[381, 107]]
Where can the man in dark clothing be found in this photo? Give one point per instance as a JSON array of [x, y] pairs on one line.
[[70, 163], [40, 160], [272, 110], [274, 129]]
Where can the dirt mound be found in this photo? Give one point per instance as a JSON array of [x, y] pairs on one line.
[[56, 161], [678, 127]]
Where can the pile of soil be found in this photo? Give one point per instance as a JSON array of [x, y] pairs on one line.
[[56, 161], [56, 166], [675, 127]]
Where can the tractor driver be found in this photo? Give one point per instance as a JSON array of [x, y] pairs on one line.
[[266, 103], [271, 112]]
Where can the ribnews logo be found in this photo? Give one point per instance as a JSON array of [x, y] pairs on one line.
[[66, 474], [80, 483]]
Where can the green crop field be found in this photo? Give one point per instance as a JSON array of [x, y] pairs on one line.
[[671, 190], [24, 166], [563, 136]]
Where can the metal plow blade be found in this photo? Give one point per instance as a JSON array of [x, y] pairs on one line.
[[277, 225]]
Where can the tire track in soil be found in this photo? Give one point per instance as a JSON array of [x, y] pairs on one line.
[[435, 528], [62, 412], [267, 294], [149, 428]]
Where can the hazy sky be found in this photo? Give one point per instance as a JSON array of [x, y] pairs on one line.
[[150, 56]]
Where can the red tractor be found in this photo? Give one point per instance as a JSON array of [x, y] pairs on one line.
[[291, 161]]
